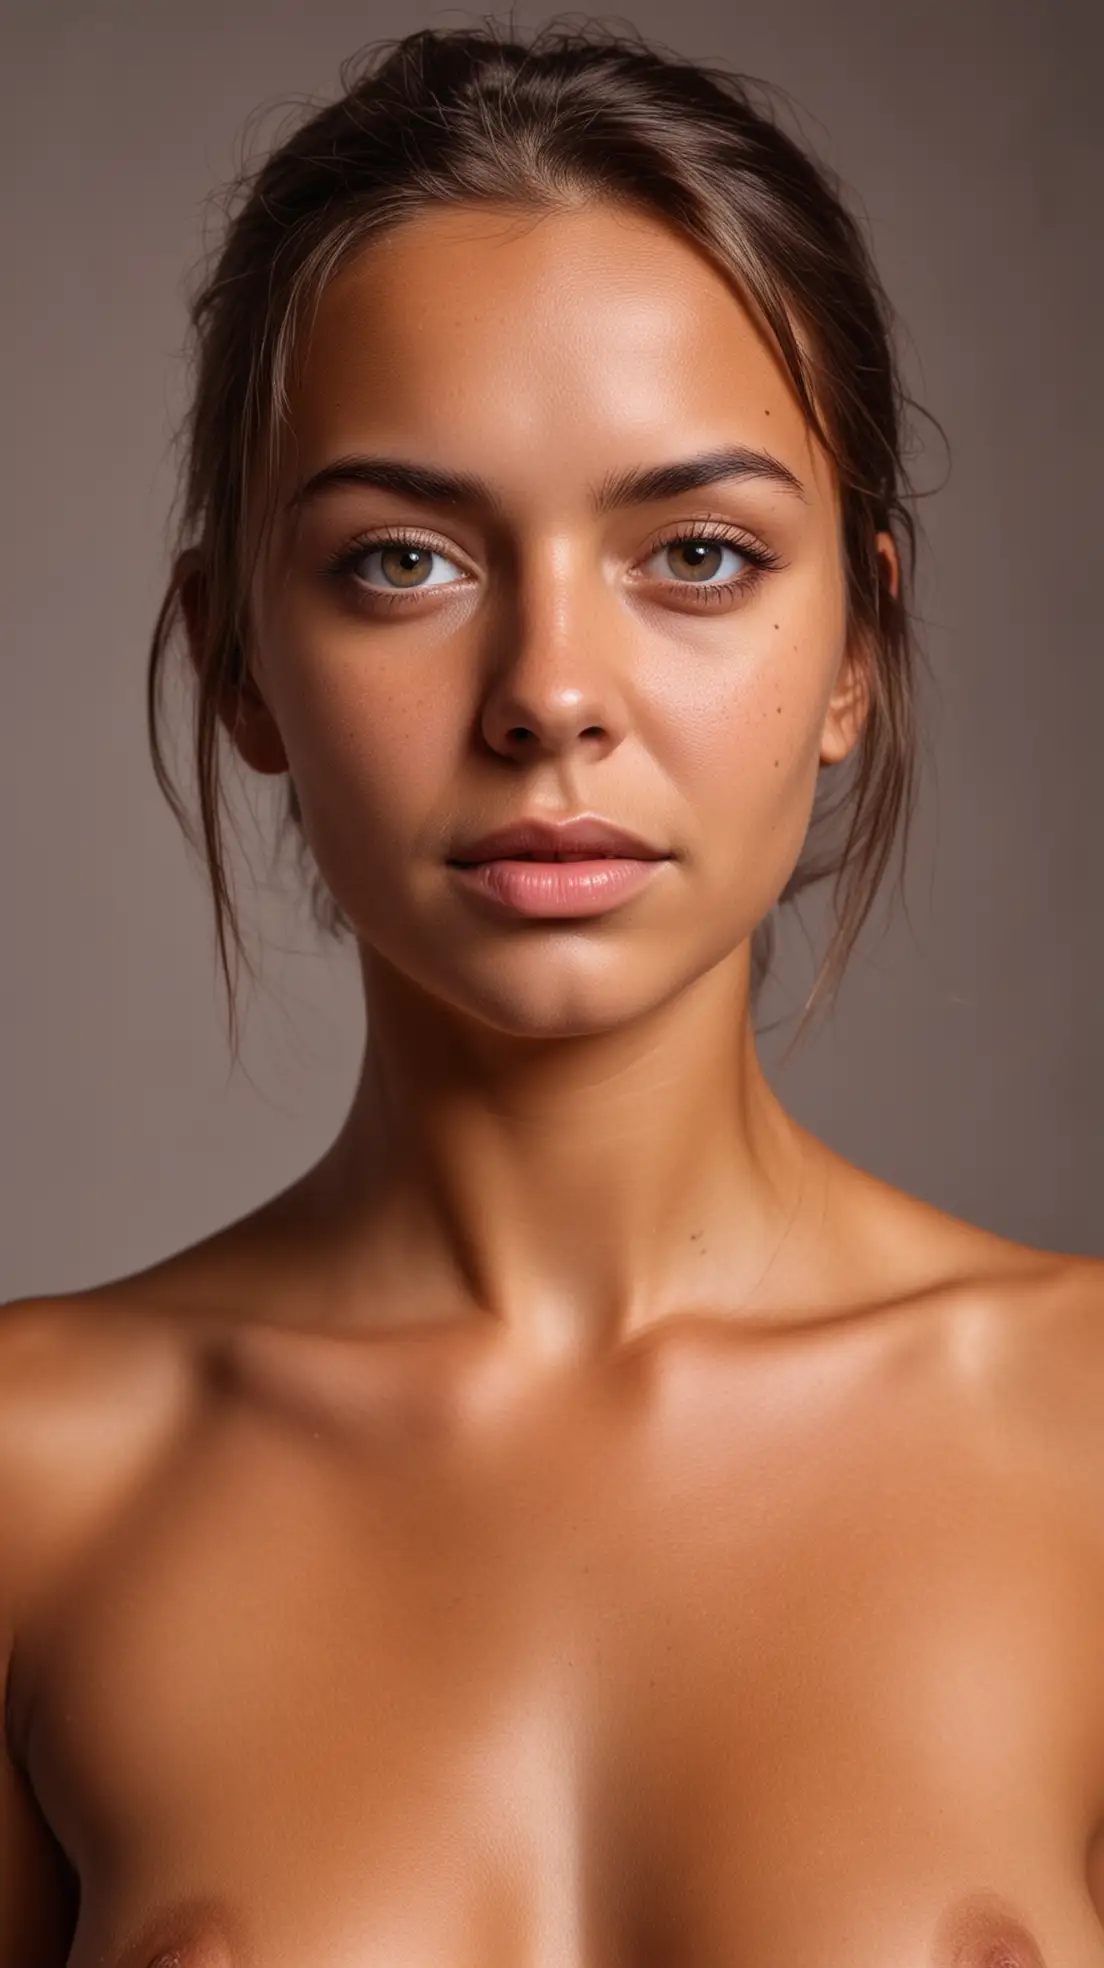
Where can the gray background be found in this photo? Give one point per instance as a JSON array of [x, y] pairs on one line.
[[964, 1058]]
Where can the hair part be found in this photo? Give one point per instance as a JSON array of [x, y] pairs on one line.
[[446, 117]]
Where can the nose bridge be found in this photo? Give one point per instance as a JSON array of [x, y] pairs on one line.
[[555, 679]]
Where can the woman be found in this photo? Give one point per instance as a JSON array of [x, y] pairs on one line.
[[584, 1521]]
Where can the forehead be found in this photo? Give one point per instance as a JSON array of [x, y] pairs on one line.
[[542, 348]]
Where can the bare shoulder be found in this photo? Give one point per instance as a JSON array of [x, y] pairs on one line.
[[1014, 1330], [1022, 1347], [895, 1249], [1039, 1333], [91, 1389]]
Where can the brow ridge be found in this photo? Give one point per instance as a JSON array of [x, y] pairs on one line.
[[638, 485]]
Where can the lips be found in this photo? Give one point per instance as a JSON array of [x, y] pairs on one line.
[[588, 838]]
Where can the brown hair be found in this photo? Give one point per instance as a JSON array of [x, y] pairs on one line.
[[446, 116]]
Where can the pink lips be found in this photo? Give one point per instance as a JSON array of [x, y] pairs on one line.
[[543, 868]]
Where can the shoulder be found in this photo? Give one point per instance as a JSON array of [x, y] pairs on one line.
[[1023, 1351], [1013, 1331], [1020, 1328], [1042, 1328], [65, 1356], [91, 1388], [1029, 1325]]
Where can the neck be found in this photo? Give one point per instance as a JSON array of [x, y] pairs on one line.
[[576, 1189]]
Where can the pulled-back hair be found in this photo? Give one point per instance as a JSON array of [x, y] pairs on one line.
[[456, 116]]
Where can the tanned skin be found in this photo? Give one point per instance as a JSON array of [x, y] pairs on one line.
[[585, 1522]]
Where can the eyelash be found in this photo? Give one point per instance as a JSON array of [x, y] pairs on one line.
[[761, 560]]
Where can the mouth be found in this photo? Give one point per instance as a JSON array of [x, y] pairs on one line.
[[538, 866], [553, 885]]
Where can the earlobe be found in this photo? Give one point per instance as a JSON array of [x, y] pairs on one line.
[[251, 727], [847, 709], [890, 563], [849, 704], [242, 710]]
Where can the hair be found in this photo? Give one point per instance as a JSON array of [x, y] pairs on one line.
[[444, 117]]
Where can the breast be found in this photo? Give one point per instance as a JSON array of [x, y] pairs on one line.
[[981, 1930], [733, 1699]]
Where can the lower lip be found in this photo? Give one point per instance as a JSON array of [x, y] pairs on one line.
[[557, 888]]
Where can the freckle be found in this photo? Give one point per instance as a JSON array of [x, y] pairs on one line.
[[776, 761]]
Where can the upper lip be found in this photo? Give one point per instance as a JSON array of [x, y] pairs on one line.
[[586, 835]]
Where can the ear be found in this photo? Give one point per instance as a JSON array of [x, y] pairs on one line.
[[241, 707], [850, 700]]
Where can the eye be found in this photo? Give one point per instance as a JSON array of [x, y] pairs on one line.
[[403, 561], [698, 557], [393, 568]]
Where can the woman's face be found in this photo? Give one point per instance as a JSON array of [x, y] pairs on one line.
[[432, 667]]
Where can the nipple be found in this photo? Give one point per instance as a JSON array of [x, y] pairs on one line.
[[191, 1936], [203, 1954], [983, 1932], [198, 1957]]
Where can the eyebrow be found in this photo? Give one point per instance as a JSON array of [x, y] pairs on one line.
[[430, 485]]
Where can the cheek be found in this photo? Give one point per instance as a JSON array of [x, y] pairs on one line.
[[371, 756], [747, 753]]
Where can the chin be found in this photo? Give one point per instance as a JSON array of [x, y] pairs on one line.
[[545, 999]]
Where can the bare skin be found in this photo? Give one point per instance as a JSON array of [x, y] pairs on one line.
[[585, 1522]]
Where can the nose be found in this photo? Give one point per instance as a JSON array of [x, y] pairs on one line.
[[551, 691]]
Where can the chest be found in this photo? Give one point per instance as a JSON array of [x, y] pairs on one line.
[[587, 1700]]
